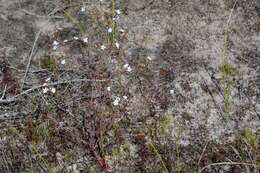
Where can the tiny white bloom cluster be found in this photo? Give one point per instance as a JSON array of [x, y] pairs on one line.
[[109, 88], [115, 18], [103, 47], [46, 89], [172, 91], [55, 45], [127, 67], [116, 101], [76, 38], [118, 11]]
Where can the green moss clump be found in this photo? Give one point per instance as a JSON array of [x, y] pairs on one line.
[[250, 137], [48, 62]]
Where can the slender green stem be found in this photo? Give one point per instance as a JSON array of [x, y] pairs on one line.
[[165, 170], [113, 22]]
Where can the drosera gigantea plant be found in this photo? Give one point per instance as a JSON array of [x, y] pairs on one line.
[[75, 21], [113, 22], [154, 149], [226, 68], [49, 169], [226, 71], [32, 147]]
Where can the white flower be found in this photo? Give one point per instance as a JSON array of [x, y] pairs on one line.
[[117, 45], [53, 90], [45, 90], [125, 97], [108, 88], [83, 9], [55, 45], [103, 47], [63, 62], [76, 38], [85, 40], [48, 79], [149, 58], [127, 67], [172, 91], [109, 30], [115, 18], [121, 30], [116, 101], [118, 12]]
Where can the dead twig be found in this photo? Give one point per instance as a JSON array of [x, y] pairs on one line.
[[30, 58], [3, 95], [229, 163], [36, 15], [14, 98], [203, 151]]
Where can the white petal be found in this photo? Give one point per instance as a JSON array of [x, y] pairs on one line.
[[85, 40], [126, 65], [117, 45], [122, 30], [45, 90], [55, 47], [118, 12], [103, 47], [116, 101], [48, 79], [55, 43], [53, 90], [63, 62], [83, 9], [109, 30], [129, 69]]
